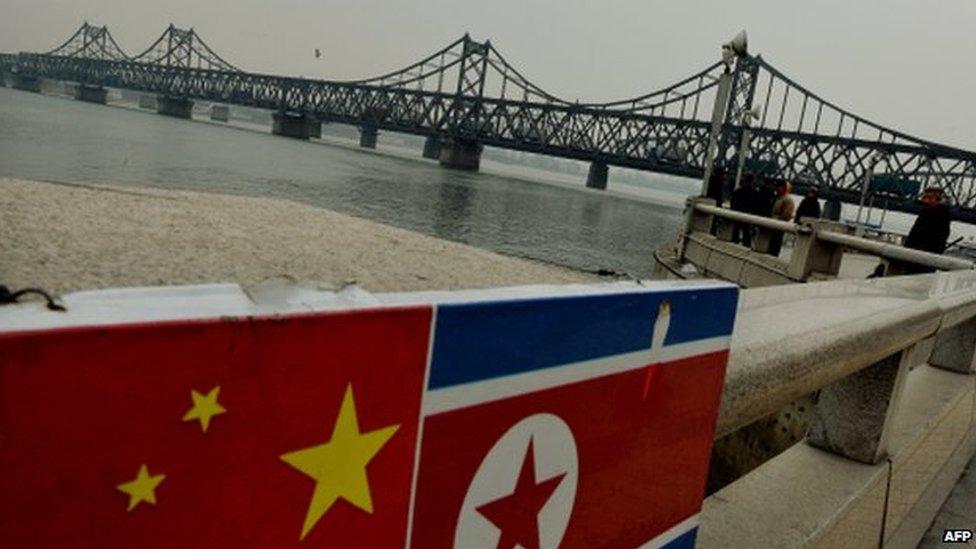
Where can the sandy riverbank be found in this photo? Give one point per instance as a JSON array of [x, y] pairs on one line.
[[67, 237]]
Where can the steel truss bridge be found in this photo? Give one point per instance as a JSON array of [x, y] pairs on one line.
[[469, 92]]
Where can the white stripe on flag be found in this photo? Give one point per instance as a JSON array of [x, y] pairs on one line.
[[476, 392]]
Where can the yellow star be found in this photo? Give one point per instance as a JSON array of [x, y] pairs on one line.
[[339, 466], [204, 407], [143, 488]]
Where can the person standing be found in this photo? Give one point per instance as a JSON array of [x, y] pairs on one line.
[[931, 228], [782, 210], [764, 196], [716, 186], [809, 206], [743, 200]]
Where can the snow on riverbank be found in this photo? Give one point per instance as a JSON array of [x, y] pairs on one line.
[[67, 237]]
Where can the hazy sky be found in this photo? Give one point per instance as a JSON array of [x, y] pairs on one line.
[[907, 64]]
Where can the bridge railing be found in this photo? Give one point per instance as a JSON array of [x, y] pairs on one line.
[[890, 366], [791, 341]]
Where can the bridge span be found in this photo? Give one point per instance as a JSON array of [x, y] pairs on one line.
[[467, 95]]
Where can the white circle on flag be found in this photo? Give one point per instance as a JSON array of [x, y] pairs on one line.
[[554, 456]]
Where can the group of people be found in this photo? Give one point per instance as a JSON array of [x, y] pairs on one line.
[[929, 233], [773, 200]]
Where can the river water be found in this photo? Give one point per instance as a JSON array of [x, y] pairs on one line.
[[509, 209]]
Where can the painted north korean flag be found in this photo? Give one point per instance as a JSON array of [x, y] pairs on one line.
[[573, 421], [276, 431]]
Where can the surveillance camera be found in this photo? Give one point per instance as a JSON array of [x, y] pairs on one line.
[[739, 44], [728, 56]]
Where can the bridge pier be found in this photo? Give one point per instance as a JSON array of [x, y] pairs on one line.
[[432, 147], [26, 82], [178, 107], [91, 94], [314, 127], [597, 176], [147, 101], [298, 126], [220, 113], [368, 135], [461, 154]]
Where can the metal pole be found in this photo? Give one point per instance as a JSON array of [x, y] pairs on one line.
[[718, 116], [743, 150], [864, 190]]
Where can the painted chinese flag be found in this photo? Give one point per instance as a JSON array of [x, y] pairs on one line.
[[265, 432]]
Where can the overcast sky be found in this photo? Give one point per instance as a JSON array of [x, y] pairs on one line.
[[907, 64]]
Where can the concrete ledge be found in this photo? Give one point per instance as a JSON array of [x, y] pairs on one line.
[[735, 263], [808, 497], [803, 497], [929, 504], [932, 440]]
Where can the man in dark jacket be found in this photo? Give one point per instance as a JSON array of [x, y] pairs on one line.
[[809, 206], [931, 229], [764, 198], [743, 200]]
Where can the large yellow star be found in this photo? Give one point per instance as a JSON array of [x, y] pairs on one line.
[[143, 488], [339, 466], [204, 407]]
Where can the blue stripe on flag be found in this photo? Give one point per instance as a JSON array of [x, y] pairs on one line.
[[477, 341], [684, 541]]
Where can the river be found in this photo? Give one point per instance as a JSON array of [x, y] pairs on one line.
[[510, 209]]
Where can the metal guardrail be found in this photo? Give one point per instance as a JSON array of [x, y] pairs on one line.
[[749, 219], [888, 251], [892, 251]]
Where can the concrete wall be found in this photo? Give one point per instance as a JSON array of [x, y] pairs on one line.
[[718, 259]]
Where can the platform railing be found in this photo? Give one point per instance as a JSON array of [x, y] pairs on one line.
[[819, 247]]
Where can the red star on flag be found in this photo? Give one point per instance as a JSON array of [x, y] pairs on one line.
[[516, 514]]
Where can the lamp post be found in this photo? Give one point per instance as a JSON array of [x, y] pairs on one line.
[[747, 119], [730, 51], [868, 173]]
